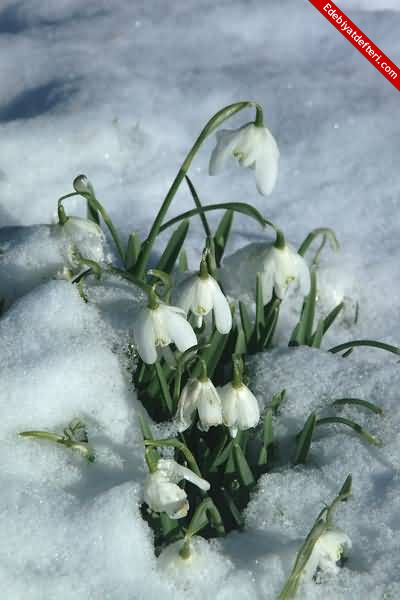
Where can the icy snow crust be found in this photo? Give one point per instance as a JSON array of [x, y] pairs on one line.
[[119, 92]]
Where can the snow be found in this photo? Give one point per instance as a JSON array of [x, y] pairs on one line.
[[119, 91]]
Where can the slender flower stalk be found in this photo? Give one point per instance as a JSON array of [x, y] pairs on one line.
[[215, 121]]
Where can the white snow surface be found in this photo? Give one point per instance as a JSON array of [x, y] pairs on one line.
[[119, 90]]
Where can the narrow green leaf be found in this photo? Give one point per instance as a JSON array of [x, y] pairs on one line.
[[306, 321], [235, 512], [271, 315], [245, 321], [370, 343], [268, 432], [277, 400], [240, 207], [133, 251], [305, 438], [357, 401], [316, 338], [183, 264], [222, 235], [331, 317], [262, 459], [173, 248], [260, 320], [245, 474], [355, 426], [166, 395], [199, 206]]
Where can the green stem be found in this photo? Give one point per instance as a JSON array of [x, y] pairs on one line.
[[226, 113], [325, 231], [173, 443]]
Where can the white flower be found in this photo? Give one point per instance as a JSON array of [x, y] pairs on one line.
[[160, 326], [203, 294], [282, 266], [203, 397], [161, 492], [330, 547], [254, 147], [239, 407], [82, 235]]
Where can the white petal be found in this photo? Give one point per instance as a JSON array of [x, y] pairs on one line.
[[187, 404], [144, 337], [163, 496], [226, 142], [229, 404], [176, 472], [248, 412], [267, 285], [185, 293], [222, 311], [179, 329], [209, 406], [203, 296], [160, 325], [303, 276], [267, 164]]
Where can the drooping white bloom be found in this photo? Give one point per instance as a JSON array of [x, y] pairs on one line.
[[83, 236], [254, 147], [330, 547], [200, 295], [239, 408], [161, 492], [280, 267], [203, 397], [158, 327]]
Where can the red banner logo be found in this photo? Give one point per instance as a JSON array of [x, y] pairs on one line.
[[356, 37]]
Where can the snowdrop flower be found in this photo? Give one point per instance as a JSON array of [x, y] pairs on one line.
[[329, 549], [200, 294], [281, 266], [161, 492], [255, 147], [201, 395], [158, 325], [82, 236], [239, 405]]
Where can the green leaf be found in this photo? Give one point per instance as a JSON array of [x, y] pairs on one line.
[[246, 323], [222, 234], [260, 320], [370, 343], [92, 214], [302, 334], [277, 400], [166, 395], [271, 315], [133, 251], [355, 426], [304, 441], [183, 264], [199, 206], [357, 401], [235, 512], [173, 248], [240, 207], [268, 432], [331, 317], [245, 474], [316, 338]]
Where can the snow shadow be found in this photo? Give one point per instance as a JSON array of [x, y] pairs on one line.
[[35, 101]]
